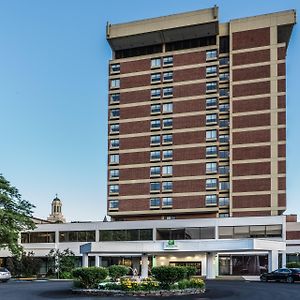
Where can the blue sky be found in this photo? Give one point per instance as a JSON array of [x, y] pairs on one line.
[[53, 103]]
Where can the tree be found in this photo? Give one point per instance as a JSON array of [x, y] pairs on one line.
[[63, 262], [15, 216]]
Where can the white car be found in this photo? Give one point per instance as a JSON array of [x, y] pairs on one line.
[[4, 275]]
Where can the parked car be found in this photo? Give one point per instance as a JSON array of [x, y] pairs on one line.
[[284, 274], [4, 275]]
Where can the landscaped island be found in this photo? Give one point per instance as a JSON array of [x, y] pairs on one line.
[[113, 281]]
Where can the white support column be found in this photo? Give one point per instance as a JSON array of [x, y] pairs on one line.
[[98, 261], [284, 259], [210, 265], [85, 260], [272, 260], [144, 271]]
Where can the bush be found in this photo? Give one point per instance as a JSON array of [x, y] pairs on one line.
[[149, 284], [90, 277], [189, 272], [117, 271], [168, 275], [65, 275], [193, 283], [183, 284], [293, 265]]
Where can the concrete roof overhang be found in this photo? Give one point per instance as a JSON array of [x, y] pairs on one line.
[[158, 247]]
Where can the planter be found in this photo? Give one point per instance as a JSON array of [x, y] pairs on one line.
[[118, 293]]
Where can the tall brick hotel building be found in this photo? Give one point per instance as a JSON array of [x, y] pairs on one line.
[[197, 116]]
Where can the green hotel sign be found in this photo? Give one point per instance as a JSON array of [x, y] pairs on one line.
[[170, 245]]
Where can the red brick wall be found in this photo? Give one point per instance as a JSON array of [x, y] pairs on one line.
[[134, 189], [251, 38], [189, 153], [189, 58], [293, 235], [251, 89], [135, 66], [185, 138], [135, 173], [251, 201], [257, 136], [134, 142], [251, 169], [134, 127], [189, 122], [251, 57], [135, 81], [189, 74], [251, 153], [251, 185], [188, 202], [189, 170], [281, 53], [134, 158], [133, 97], [252, 121], [189, 90], [251, 104], [251, 213], [189, 106], [135, 112], [251, 73]]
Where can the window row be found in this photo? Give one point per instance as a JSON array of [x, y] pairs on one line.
[[211, 135], [161, 124], [162, 77], [212, 151], [165, 92], [156, 187], [164, 155], [212, 183], [212, 200], [165, 139], [161, 171], [157, 62], [165, 108], [161, 202]]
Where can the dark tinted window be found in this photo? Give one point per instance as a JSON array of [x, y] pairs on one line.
[[192, 233], [192, 43], [138, 51], [224, 44], [77, 236], [126, 235]]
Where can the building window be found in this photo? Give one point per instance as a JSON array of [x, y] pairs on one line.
[[37, 237], [224, 215], [167, 201], [224, 76], [211, 102], [167, 154], [211, 86], [155, 78], [224, 61], [155, 63], [155, 202], [211, 167], [114, 144], [167, 108], [224, 185], [211, 119], [155, 93], [113, 204], [224, 170], [167, 123], [211, 70], [223, 201], [224, 92], [115, 113], [154, 171], [155, 109], [126, 235], [168, 61], [155, 187], [211, 200], [114, 128], [211, 183], [211, 135], [167, 139], [224, 154], [114, 189], [187, 233], [77, 236], [224, 123], [155, 155], [224, 107], [155, 140], [114, 98], [115, 83], [167, 186], [168, 76], [115, 68], [114, 174], [224, 138], [114, 159], [167, 170], [211, 54], [168, 92], [211, 151], [155, 124]]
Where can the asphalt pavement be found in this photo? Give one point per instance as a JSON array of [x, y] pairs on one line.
[[216, 289]]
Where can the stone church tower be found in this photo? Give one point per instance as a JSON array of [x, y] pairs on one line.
[[56, 215]]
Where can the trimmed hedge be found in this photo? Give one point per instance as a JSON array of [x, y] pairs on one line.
[[90, 277], [168, 275], [293, 265], [117, 271]]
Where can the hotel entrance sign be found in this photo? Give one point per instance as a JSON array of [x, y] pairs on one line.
[[170, 245]]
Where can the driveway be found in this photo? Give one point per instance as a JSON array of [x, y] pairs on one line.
[[227, 290]]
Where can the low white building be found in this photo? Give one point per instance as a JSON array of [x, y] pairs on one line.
[[224, 246]]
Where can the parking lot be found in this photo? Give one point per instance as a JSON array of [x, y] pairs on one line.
[[216, 289]]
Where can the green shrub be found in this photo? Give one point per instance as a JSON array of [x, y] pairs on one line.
[[189, 272], [117, 271], [183, 284], [168, 275], [293, 265], [196, 283], [90, 277], [65, 275]]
